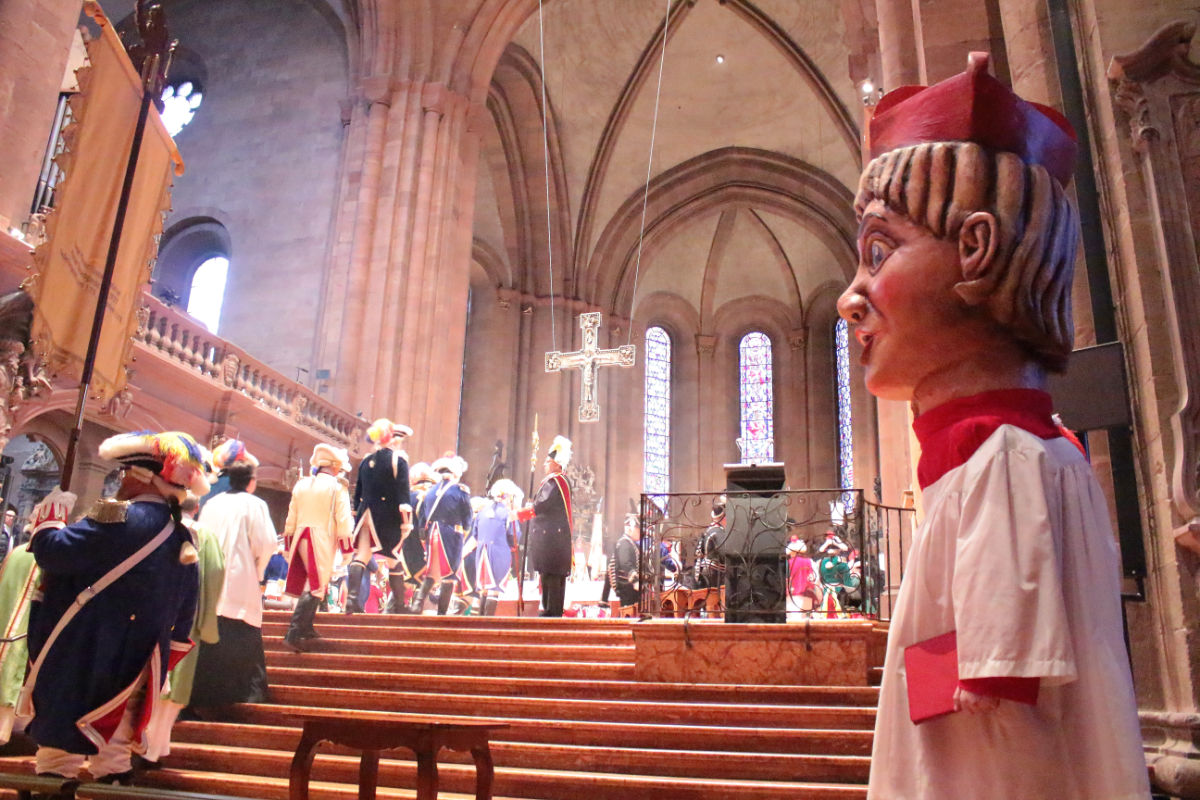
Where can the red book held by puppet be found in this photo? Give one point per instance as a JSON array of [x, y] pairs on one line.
[[931, 668]]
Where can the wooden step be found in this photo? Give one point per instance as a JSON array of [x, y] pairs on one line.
[[472, 622], [265, 788], [546, 708], [675, 757], [338, 629], [450, 651], [854, 742], [595, 690], [544, 784], [347, 664]]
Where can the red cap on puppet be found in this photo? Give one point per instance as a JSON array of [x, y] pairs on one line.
[[974, 107]]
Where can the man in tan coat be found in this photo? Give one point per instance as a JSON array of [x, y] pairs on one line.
[[318, 522]]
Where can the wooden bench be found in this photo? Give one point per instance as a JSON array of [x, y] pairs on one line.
[[25, 784], [373, 734]]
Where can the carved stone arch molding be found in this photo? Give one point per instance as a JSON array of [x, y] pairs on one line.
[[1158, 88]]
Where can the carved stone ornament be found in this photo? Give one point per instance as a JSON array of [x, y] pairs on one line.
[[1158, 88], [229, 369]]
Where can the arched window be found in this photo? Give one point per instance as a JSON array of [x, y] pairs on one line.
[[656, 445], [758, 412], [841, 354], [179, 106], [208, 291]]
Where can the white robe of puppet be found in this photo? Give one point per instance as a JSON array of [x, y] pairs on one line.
[[1017, 554], [319, 519]]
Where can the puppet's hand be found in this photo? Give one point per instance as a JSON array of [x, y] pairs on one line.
[[972, 703], [53, 511]]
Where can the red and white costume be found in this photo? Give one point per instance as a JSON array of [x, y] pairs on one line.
[[1016, 554]]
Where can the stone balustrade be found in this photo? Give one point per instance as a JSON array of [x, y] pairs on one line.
[[171, 333]]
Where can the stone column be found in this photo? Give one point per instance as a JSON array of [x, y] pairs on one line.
[[898, 48], [35, 41], [707, 386]]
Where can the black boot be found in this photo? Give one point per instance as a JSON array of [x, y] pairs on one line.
[[418, 603], [354, 579], [397, 605], [301, 629], [445, 596]]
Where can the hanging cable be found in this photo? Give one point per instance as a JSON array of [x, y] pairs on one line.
[[649, 164], [546, 163]]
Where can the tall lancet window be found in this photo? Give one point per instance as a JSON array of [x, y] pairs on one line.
[[758, 391], [656, 472], [841, 354]]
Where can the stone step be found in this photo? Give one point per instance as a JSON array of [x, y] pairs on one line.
[[594, 690], [273, 788], [542, 784], [828, 741], [502, 707], [337, 628], [352, 663], [676, 757], [450, 651]]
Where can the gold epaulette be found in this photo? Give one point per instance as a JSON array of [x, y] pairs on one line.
[[109, 510]]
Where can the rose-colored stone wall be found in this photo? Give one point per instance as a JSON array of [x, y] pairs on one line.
[[262, 157]]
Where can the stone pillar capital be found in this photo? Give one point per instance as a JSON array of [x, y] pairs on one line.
[[706, 344], [797, 337], [434, 97], [376, 89]]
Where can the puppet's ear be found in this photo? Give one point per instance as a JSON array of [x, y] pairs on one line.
[[978, 240]]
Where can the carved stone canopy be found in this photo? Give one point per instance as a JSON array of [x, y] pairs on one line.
[[1157, 87]]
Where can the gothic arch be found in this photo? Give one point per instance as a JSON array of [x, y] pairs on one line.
[[731, 176], [515, 94]]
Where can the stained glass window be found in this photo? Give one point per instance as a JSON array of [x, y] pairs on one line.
[[841, 348], [656, 472], [758, 424]]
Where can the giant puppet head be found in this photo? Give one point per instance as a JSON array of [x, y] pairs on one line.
[[964, 171]]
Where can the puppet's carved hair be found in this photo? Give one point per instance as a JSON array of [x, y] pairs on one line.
[[1027, 288]]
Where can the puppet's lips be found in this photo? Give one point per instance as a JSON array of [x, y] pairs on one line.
[[865, 338]]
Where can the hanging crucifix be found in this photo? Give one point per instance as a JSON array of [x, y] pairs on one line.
[[587, 360]]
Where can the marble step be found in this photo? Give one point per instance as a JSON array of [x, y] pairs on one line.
[[353, 663], [594, 690], [336, 627], [723, 737], [501, 707], [677, 757], [543, 784], [466, 649]]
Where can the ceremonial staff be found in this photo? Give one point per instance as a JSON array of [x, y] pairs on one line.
[[524, 544]]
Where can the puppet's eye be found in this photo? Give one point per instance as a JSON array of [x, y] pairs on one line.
[[878, 254]]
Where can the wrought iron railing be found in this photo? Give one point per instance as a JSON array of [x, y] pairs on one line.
[[772, 557]]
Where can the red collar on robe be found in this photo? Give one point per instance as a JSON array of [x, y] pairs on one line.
[[951, 433]]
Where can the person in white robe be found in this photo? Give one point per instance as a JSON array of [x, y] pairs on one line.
[[961, 305]]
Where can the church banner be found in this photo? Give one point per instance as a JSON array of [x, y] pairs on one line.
[[70, 263]]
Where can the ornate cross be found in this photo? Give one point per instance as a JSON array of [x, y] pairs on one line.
[[586, 360]]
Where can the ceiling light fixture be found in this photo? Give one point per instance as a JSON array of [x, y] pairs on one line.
[[720, 59]]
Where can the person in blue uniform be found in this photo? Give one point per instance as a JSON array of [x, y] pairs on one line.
[[382, 507], [444, 516], [497, 533], [114, 609], [413, 559], [550, 528]]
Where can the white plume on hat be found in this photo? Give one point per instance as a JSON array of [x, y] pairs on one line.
[[326, 455], [455, 465], [506, 488], [560, 451]]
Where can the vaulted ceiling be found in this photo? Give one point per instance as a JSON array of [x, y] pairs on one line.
[[771, 77]]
